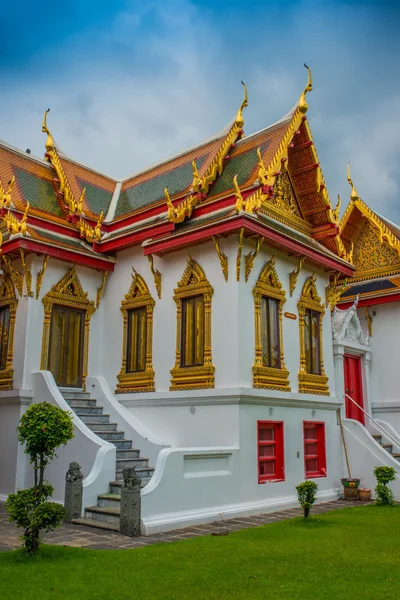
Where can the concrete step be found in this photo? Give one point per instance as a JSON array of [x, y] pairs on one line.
[[88, 411], [89, 418], [103, 513], [127, 454], [75, 395], [110, 427], [111, 436], [98, 524], [136, 462], [81, 403], [141, 471], [109, 500], [122, 444], [396, 455], [388, 447]]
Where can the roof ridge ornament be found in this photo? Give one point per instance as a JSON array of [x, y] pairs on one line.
[[50, 145], [303, 106], [353, 196], [239, 116]]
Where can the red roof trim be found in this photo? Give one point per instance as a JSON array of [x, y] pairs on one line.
[[372, 301], [134, 237]]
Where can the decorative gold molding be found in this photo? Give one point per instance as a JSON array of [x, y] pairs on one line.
[[294, 275], [67, 292], [16, 277], [100, 289], [156, 275], [311, 383], [138, 296], [250, 258], [223, 259], [40, 275], [8, 298], [27, 273], [91, 234], [369, 320], [239, 254], [268, 285], [193, 283], [238, 194], [201, 185], [5, 196], [332, 295]]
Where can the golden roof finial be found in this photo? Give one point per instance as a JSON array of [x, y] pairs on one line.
[[239, 198], [303, 106], [196, 184], [353, 196], [45, 129], [239, 117], [336, 210], [5, 196]]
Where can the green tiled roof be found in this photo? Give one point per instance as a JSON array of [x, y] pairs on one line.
[[152, 190], [98, 199], [242, 165], [38, 192]]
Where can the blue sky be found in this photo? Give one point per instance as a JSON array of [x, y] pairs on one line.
[[132, 82]]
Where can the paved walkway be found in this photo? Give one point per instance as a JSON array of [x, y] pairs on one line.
[[79, 536]]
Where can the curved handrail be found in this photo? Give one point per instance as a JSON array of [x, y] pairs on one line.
[[374, 421]]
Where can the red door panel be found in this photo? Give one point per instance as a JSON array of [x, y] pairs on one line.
[[353, 387]]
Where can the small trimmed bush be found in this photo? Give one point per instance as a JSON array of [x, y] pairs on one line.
[[43, 428], [384, 475], [307, 495]]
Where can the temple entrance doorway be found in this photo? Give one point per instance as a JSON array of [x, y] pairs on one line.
[[354, 388], [66, 346]]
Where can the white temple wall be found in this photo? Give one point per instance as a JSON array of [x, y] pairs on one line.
[[10, 412]]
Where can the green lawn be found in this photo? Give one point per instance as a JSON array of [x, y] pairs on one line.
[[349, 553]]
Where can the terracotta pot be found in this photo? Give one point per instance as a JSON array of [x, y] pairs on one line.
[[365, 495], [350, 493]]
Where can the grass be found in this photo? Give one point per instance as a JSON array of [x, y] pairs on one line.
[[354, 552]]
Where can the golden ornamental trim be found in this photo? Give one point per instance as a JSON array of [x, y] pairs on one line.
[[332, 294], [5, 196], [27, 273], [67, 292], [369, 320], [223, 259], [40, 275], [294, 275], [311, 383], [193, 282], [201, 185], [8, 298], [269, 285], [91, 234], [100, 289], [138, 296], [239, 254], [16, 277], [250, 258], [156, 275]]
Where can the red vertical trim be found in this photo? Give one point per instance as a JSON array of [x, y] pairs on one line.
[[314, 434], [275, 458], [353, 387]]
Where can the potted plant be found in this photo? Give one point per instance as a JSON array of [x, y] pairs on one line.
[[364, 494], [350, 488]]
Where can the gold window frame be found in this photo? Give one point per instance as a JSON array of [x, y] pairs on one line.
[[8, 298], [138, 296], [67, 292], [311, 383], [268, 285], [193, 283]]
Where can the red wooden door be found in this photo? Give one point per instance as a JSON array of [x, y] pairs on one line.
[[353, 387]]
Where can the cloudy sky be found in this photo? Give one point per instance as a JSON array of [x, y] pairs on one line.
[[131, 82]]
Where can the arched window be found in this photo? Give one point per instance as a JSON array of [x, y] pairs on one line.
[[312, 378], [193, 362], [8, 308], [137, 373], [269, 297]]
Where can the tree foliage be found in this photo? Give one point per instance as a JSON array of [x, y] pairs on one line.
[[384, 475], [43, 428], [307, 495]]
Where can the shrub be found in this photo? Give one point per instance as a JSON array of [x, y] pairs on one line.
[[42, 429], [384, 475], [306, 494]]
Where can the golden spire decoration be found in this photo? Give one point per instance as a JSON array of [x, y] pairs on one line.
[[303, 106], [239, 117], [353, 196], [50, 141]]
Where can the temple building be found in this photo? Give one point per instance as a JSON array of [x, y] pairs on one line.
[[199, 320]]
